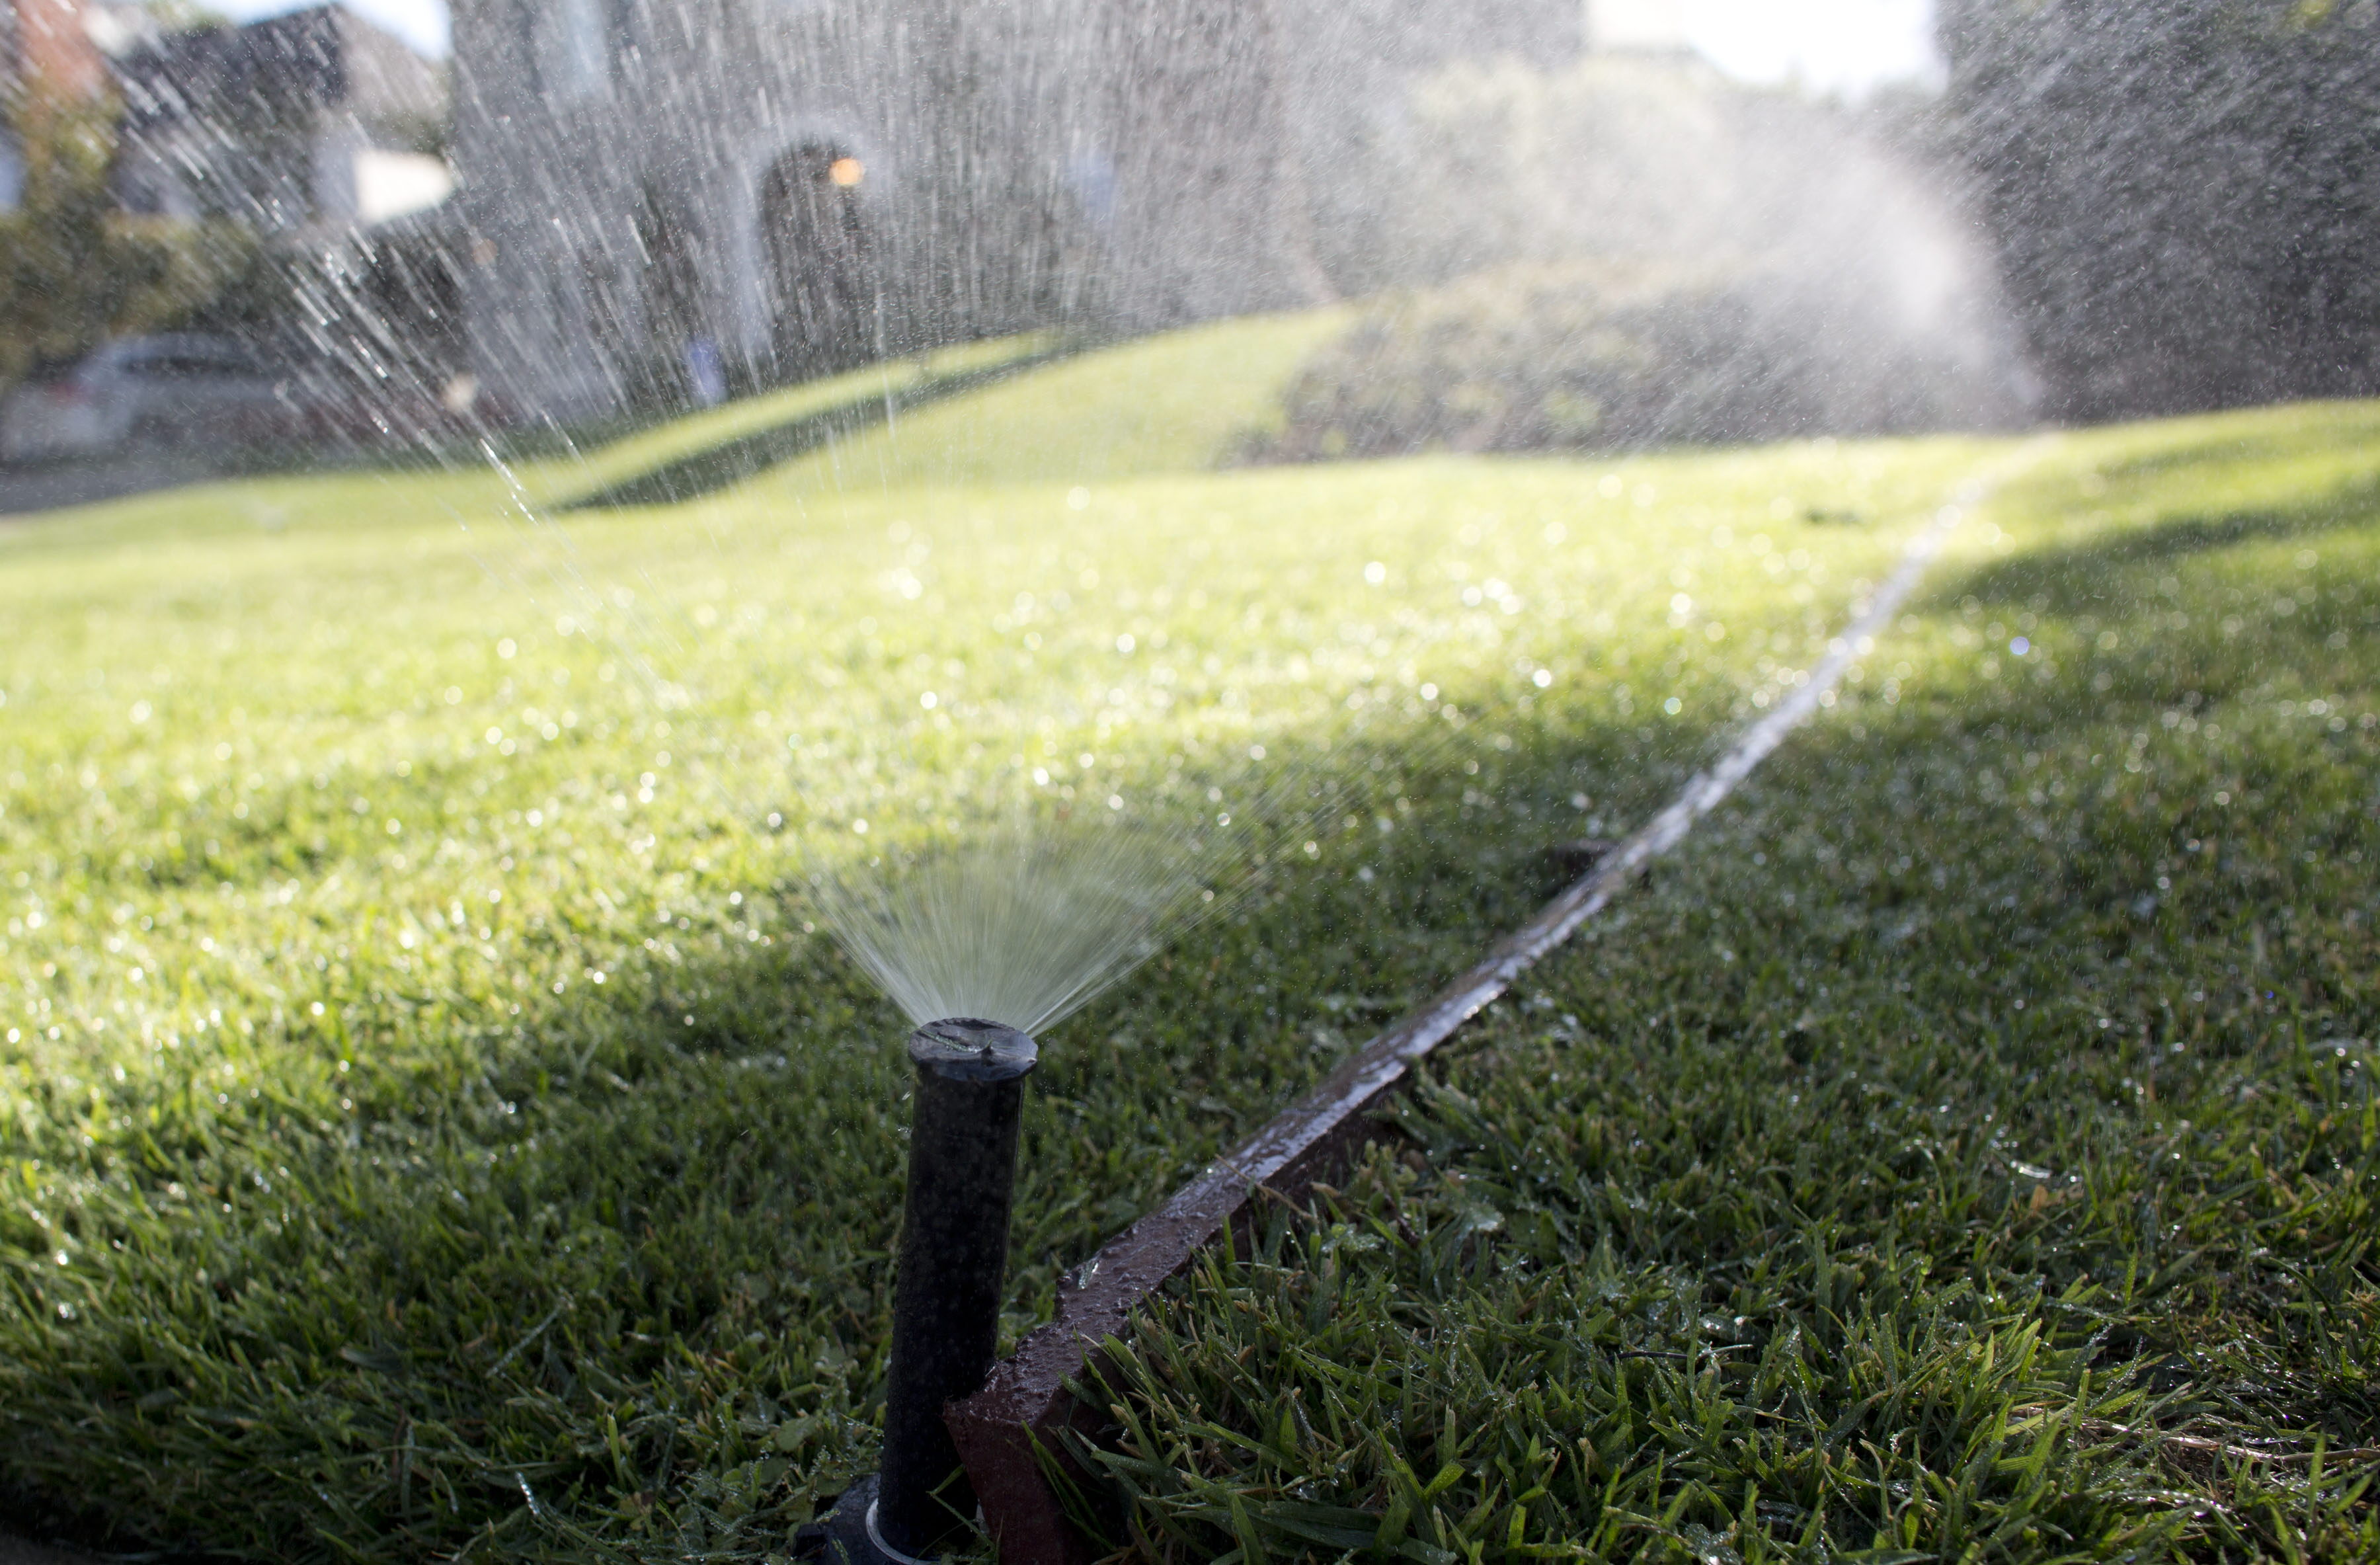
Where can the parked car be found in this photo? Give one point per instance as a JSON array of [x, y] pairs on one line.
[[180, 389]]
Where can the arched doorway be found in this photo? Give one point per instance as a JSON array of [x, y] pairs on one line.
[[821, 260]]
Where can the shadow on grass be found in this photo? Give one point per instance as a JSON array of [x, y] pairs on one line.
[[582, 1253], [2073, 578], [2170, 642], [1938, 1087], [722, 467], [624, 1270]]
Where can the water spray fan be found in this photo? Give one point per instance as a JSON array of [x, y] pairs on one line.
[[968, 1099]]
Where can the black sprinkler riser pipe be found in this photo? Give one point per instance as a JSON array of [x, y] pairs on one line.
[[970, 1093]]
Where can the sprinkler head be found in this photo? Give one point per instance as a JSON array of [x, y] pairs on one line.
[[968, 1098], [963, 1048]]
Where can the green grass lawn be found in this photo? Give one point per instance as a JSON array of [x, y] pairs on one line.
[[426, 1088], [1965, 1150]]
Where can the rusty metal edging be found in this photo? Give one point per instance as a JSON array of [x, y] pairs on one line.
[[1026, 1403]]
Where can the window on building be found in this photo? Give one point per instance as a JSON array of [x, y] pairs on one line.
[[814, 225]]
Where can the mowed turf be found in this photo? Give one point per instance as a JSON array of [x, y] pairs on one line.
[[1965, 1149], [434, 1124]]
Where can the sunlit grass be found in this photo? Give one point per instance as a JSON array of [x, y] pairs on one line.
[[423, 1086], [1965, 1152]]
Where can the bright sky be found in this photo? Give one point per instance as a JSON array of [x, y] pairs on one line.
[[1846, 46], [421, 23], [1831, 45]]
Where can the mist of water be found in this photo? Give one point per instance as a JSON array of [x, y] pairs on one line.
[[1025, 918], [1017, 926], [657, 211]]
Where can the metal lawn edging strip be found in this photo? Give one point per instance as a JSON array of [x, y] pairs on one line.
[[1024, 1406]]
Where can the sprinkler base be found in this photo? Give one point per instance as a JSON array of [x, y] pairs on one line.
[[846, 1535]]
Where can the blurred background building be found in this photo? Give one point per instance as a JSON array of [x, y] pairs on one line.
[[313, 123], [281, 182], [807, 184], [2088, 207]]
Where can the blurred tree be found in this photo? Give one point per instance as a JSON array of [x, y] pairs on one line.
[[2184, 194], [75, 268]]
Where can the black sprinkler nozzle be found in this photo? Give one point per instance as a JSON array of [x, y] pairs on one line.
[[969, 1095]]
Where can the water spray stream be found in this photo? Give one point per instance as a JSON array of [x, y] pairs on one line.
[[1023, 930], [1027, 920]]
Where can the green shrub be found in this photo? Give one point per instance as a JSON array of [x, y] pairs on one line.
[[1605, 356], [1631, 251]]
